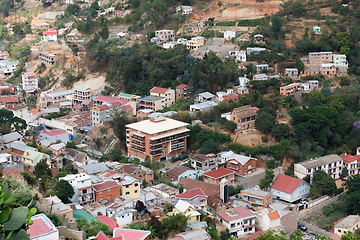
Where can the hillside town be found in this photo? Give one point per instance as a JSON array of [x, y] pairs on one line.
[[182, 120]]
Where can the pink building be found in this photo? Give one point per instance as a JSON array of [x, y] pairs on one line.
[[215, 176]]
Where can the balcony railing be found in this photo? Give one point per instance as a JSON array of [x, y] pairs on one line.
[[166, 139], [155, 153]]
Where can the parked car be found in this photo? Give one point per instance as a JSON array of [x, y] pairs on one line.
[[192, 152], [343, 184], [183, 157], [302, 228]]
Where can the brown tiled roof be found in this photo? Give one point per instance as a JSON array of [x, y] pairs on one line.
[[199, 158], [130, 168], [105, 185], [244, 111], [217, 173], [177, 171], [214, 201], [207, 188], [80, 157], [77, 119]]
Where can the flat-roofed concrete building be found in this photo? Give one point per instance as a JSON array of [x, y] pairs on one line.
[[257, 196], [244, 117], [331, 164], [320, 57], [349, 224], [48, 58], [165, 35], [195, 43], [160, 138]]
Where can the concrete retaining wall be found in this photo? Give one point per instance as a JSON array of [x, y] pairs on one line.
[[315, 229]]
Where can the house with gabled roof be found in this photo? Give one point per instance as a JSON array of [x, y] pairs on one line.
[[106, 190], [93, 169], [125, 233], [188, 210], [181, 91], [289, 189], [130, 187], [199, 234], [178, 172], [268, 220], [195, 197], [207, 188], [32, 158], [242, 165], [215, 176], [352, 163]]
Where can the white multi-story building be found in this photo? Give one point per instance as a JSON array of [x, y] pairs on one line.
[[238, 55], [184, 9], [243, 82], [254, 50], [30, 83], [8, 67], [165, 35], [82, 187], [104, 113], [340, 62], [240, 221], [331, 164]]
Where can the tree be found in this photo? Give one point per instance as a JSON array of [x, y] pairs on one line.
[[42, 170], [14, 218], [176, 223], [280, 131], [264, 121], [225, 235], [322, 184], [267, 180], [29, 179], [353, 185], [64, 191], [300, 65], [344, 172], [230, 125], [92, 228], [297, 8]]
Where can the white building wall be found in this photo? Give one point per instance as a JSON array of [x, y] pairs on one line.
[[125, 219]]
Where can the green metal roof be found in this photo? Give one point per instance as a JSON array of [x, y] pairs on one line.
[[35, 156], [125, 95], [82, 88], [79, 213]]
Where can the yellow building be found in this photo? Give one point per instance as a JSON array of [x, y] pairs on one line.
[[195, 43], [31, 157], [188, 210], [348, 224], [130, 187]]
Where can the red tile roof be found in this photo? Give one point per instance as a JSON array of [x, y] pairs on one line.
[[53, 133], [350, 158], [104, 106], [77, 106], [273, 215], [101, 236], [182, 86], [221, 172], [286, 183], [127, 108], [51, 31], [108, 221], [38, 228], [253, 236], [35, 111], [107, 99], [116, 12], [159, 90], [105, 185], [191, 194], [335, 237], [9, 99], [131, 234], [15, 107], [9, 89], [235, 213]]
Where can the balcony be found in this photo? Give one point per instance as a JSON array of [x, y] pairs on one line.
[[137, 148], [139, 144], [137, 138], [169, 138], [155, 153], [156, 147]]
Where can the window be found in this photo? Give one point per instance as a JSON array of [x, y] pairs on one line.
[[109, 195], [127, 193], [136, 191], [100, 198], [136, 184], [127, 186]]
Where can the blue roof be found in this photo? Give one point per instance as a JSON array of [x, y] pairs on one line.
[[85, 127]]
